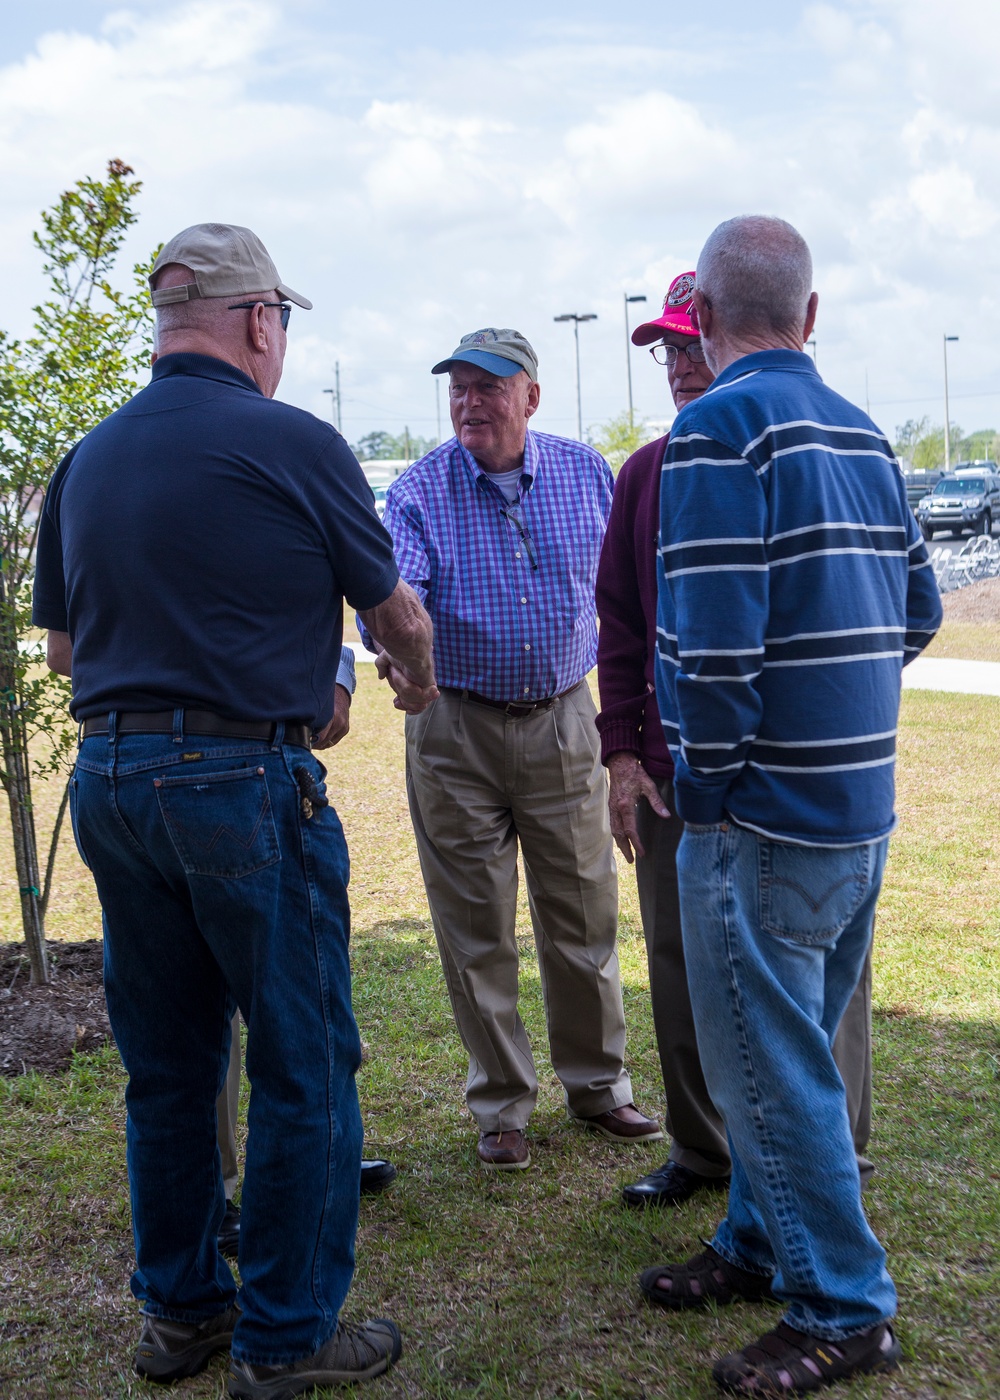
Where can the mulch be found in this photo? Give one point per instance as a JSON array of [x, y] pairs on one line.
[[977, 602], [41, 1028]]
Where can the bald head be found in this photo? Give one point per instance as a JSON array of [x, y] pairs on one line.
[[754, 289], [757, 273]]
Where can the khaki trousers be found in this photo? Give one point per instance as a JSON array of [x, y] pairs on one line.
[[698, 1134], [479, 783]]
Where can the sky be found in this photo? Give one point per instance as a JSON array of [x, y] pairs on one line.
[[420, 171]]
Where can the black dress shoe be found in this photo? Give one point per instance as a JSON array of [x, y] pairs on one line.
[[376, 1175], [229, 1232], [670, 1185]]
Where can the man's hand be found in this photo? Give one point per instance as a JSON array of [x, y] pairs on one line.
[[411, 698], [629, 783], [341, 722], [401, 627]]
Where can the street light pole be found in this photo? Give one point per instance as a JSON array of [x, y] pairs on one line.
[[576, 317], [335, 397], [813, 344], [628, 356], [947, 412]]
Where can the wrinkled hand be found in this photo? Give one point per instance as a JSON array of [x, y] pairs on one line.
[[411, 698], [629, 783], [341, 722]]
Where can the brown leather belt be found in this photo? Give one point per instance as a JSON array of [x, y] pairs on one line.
[[195, 722], [516, 709]]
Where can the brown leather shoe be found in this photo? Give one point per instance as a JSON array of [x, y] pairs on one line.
[[624, 1124], [504, 1152]]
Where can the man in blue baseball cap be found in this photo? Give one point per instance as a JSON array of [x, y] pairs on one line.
[[498, 531]]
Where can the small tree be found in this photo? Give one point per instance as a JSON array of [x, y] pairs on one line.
[[80, 364], [921, 443], [382, 446], [619, 437]]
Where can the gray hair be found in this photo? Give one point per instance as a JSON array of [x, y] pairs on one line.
[[756, 272]]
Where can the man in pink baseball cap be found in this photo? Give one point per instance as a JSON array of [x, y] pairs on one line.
[[640, 771]]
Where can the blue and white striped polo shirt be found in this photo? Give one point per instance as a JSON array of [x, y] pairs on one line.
[[793, 588]]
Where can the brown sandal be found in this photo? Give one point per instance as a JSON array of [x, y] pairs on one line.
[[787, 1362], [706, 1277]]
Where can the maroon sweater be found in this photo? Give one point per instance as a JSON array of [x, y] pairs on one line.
[[626, 605]]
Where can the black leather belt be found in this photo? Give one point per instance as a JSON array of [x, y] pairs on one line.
[[516, 709], [195, 722]]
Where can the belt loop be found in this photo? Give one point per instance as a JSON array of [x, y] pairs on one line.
[[178, 733], [112, 727], [278, 737]]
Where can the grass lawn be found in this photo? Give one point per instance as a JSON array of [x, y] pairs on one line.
[[524, 1286], [970, 641]]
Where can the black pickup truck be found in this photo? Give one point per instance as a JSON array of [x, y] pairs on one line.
[[918, 485]]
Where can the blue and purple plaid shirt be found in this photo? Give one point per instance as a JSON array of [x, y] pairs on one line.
[[510, 588]]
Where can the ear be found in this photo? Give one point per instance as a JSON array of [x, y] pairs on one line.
[[811, 306], [257, 329], [704, 317], [534, 394]]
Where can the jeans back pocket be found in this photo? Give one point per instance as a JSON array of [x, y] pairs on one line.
[[220, 823], [811, 893]]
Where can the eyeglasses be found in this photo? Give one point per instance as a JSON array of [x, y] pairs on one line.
[[512, 515], [667, 354], [286, 309]]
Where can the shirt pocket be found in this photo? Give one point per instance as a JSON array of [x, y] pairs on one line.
[[220, 824]]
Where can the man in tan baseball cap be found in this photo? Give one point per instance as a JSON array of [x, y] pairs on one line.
[[203, 651]]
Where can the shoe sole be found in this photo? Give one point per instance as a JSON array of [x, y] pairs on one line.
[[656, 1136], [505, 1166], [286, 1387]]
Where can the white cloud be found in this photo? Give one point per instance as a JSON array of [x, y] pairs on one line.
[[416, 193]]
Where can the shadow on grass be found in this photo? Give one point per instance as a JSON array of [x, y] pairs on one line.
[[520, 1285]]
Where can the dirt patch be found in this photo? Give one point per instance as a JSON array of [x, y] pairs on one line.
[[979, 602], [42, 1027]]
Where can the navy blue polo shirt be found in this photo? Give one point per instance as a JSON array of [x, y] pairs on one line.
[[198, 545]]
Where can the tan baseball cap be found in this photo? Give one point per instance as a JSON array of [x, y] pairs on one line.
[[227, 261]]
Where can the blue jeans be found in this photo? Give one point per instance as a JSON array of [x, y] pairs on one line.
[[217, 889], [775, 937]]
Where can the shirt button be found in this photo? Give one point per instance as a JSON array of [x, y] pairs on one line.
[[517, 554], [527, 646], [527, 689], [524, 600]]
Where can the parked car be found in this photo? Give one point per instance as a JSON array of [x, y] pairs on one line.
[[966, 499], [379, 500]]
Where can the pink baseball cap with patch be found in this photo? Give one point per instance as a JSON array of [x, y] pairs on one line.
[[676, 316]]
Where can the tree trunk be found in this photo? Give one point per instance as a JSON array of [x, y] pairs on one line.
[[22, 822], [17, 781]]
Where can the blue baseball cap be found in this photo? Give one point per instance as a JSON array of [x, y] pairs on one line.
[[500, 352]]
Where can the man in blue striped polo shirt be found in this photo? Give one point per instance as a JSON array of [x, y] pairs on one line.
[[499, 531], [794, 586]]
